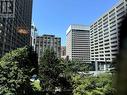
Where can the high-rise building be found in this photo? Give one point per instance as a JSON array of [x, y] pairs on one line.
[[48, 41], [14, 26], [63, 52], [33, 36], [78, 43], [104, 36]]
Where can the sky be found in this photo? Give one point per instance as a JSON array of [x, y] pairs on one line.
[[55, 16]]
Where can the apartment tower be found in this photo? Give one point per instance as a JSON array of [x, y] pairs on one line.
[[48, 41], [104, 36]]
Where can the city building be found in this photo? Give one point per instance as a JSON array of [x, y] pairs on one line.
[[78, 43], [63, 52], [15, 28], [104, 36], [48, 41], [33, 36]]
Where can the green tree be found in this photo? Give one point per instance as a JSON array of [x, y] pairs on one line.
[[73, 67], [51, 73], [25, 57], [16, 69], [93, 85]]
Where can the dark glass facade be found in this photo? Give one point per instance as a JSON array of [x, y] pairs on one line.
[[10, 38]]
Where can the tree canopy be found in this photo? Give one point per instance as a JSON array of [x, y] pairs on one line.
[[16, 69], [51, 73], [93, 85]]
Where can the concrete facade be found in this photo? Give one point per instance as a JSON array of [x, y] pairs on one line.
[[48, 41], [104, 36], [78, 43], [63, 52]]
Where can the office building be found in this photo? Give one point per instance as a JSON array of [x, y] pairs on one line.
[[48, 41], [63, 52], [104, 36], [78, 43], [14, 26], [33, 36]]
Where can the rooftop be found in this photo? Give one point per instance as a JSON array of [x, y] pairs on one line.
[[77, 27]]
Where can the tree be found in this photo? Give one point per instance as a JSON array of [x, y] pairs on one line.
[[51, 73], [92, 85], [73, 67], [16, 69], [26, 58]]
